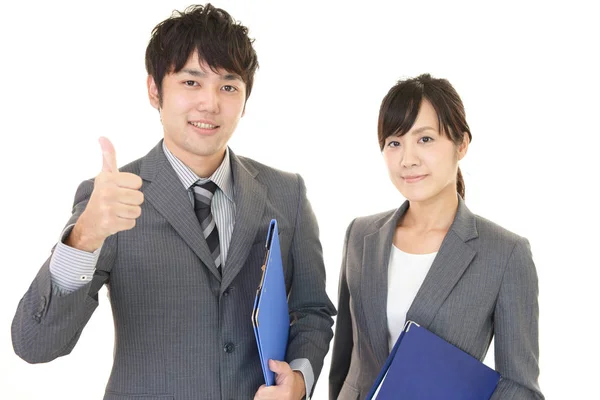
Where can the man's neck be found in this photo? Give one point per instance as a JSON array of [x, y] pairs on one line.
[[203, 166]]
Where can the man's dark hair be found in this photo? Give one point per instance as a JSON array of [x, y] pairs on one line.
[[219, 40]]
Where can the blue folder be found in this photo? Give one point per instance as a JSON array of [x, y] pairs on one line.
[[270, 315], [424, 366]]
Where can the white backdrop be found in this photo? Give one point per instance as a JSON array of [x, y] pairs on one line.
[[527, 73]]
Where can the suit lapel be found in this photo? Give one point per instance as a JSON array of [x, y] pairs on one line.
[[168, 196], [250, 199], [453, 258], [374, 281]]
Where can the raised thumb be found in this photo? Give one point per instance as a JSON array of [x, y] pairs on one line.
[[109, 156]]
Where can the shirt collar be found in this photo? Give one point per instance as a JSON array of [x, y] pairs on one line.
[[222, 177]]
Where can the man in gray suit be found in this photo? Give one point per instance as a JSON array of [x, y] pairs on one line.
[[179, 235]]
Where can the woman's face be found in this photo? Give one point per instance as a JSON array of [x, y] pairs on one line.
[[423, 163]]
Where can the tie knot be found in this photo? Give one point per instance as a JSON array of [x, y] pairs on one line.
[[203, 193], [207, 185]]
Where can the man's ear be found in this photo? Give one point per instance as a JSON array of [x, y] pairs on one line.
[[153, 95], [244, 109], [464, 146]]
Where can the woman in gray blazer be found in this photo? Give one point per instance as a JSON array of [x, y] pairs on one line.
[[432, 261]]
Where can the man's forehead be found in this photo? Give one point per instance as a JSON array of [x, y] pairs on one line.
[[197, 66]]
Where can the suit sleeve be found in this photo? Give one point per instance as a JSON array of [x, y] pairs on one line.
[[310, 308], [71, 268], [516, 328], [47, 324], [343, 343]]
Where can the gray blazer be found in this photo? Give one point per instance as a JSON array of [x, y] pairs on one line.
[[181, 330], [482, 283]]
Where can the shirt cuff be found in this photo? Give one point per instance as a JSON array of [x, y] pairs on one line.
[[71, 268], [303, 365]]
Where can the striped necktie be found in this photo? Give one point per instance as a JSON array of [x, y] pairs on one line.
[[203, 194]]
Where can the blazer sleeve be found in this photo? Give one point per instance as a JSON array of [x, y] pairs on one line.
[[311, 310], [516, 328], [343, 343], [47, 325]]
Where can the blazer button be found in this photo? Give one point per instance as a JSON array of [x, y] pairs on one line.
[[227, 291], [229, 347]]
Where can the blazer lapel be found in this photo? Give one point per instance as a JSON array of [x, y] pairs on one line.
[[453, 258], [250, 199], [374, 281], [168, 196]]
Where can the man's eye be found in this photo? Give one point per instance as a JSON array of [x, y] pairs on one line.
[[190, 83], [393, 143], [426, 139], [229, 88]]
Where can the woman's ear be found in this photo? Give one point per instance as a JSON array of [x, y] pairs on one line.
[[464, 146]]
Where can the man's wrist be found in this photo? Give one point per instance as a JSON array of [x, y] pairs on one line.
[[303, 366], [78, 240], [300, 385]]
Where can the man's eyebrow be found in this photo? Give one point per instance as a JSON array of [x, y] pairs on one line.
[[201, 74], [232, 77], [193, 72]]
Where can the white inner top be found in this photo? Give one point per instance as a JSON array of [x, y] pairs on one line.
[[406, 273]]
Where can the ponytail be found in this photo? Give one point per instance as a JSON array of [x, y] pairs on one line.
[[460, 184]]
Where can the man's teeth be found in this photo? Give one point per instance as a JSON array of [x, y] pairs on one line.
[[202, 125]]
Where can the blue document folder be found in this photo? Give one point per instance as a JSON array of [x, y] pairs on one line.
[[424, 366], [270, 315]]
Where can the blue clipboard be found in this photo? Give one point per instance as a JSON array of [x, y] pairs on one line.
[[424, 366], [270, 314]]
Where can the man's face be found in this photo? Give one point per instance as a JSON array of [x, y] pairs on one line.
[[200, 110]]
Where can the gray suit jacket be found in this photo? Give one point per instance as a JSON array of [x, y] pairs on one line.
[[181, 330], [482, 283]]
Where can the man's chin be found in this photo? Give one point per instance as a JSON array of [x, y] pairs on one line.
[[207, 151]]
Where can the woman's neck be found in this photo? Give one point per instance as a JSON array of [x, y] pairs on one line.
[[435, 214]]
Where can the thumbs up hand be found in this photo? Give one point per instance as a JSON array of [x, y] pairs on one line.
[[113, 207]]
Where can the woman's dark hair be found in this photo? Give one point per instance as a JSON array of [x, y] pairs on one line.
[[218, 39], [400, 107]]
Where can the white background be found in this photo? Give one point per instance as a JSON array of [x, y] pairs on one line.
[[527, 73]]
